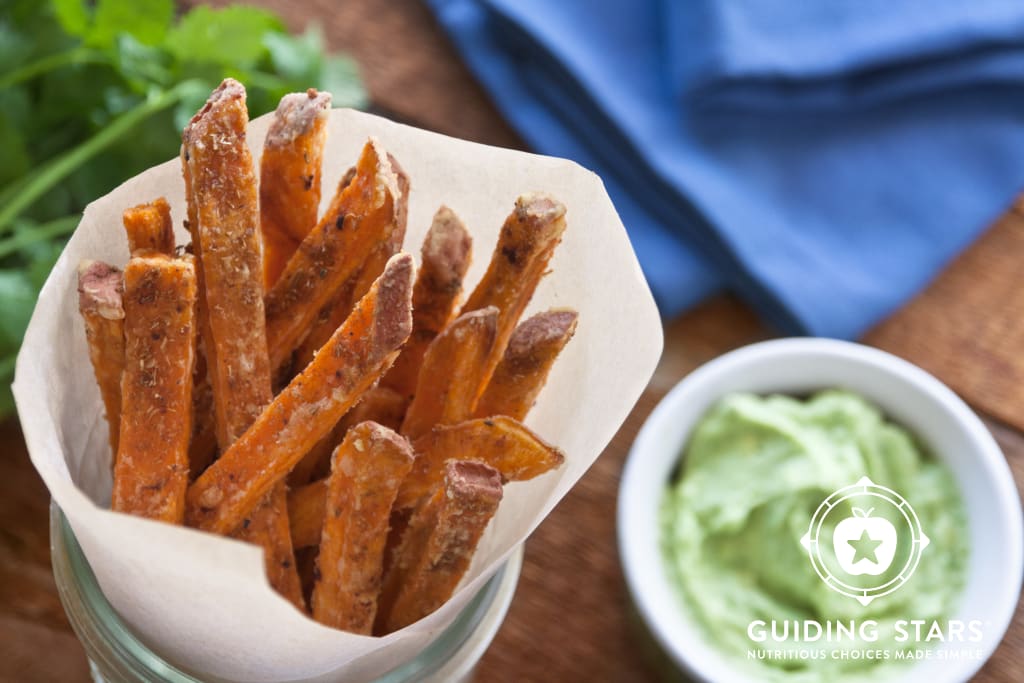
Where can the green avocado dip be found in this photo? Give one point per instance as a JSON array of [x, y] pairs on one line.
[[751, 478]]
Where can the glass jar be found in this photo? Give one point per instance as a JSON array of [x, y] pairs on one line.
[[117, 656]]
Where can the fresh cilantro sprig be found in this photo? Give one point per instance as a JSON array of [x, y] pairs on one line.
[[92, 93]]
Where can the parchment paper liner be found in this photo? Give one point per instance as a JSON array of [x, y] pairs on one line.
[[203, 601]]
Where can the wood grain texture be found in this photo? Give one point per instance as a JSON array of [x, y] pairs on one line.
[[965, 329], [36, 641], [968, 326]]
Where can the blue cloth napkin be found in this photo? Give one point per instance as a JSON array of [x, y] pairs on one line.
[[824, 160]]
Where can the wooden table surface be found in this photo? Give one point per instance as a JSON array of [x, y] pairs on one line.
[[967, 328]]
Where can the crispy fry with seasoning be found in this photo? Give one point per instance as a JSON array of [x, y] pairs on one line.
[[445, 258], [290, 176], [151, 471], [315, 463], [306, 512], [527, 240], [380, 404], [523, 370], [101, 303], [367, 469], [309, 407], [223, 189], [305, 561], [203, 447], [332, 253], [452, 375], [338, 308], [438, 545], [269, 527], [501, 442], [149, 227]]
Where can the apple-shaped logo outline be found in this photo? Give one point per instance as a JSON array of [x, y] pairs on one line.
[[860, 534], [864, 486]]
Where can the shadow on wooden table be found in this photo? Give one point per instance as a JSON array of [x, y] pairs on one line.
[[36, 641]]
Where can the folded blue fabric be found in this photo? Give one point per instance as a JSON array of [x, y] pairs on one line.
[[824, 160]]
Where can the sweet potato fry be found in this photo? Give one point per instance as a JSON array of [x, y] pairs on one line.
[[101, 303], [392, 243], [379, 404], [223, 189], [438, 545], [332, 253], [445, 258], [316, 462], [396, 532], [290, 176], [203, 447], [338, 308], [366, 471], [307, 348], [305, 560], [268, 527], [151, 471], [453, 373], [501, 442], [523, 370], [309, 407], [149, 227], [306, 512], [528, 239]]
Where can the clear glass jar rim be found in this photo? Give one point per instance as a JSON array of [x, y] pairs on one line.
[[114, 649]]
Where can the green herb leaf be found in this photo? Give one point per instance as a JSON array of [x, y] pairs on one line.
[[232, 36], [72, 15], [146, 20], [17, 299], [341, 78], [297, 58], [142, 65]]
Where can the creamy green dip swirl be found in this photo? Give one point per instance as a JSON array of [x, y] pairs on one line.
[[752, 475]]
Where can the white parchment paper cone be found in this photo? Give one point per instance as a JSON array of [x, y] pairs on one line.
[[202, 601]]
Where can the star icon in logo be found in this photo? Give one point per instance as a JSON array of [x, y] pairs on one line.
[[864, 547]]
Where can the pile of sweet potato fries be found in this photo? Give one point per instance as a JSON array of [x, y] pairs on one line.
[[292, 380]]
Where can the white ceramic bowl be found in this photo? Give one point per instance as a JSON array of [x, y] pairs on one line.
[[910, 397]]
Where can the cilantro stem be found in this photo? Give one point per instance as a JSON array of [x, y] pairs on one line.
[[44, 231], [60, 167], [12, 188], [79, 55]]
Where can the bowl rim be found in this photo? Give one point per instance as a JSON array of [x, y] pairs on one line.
[[638, 540]]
